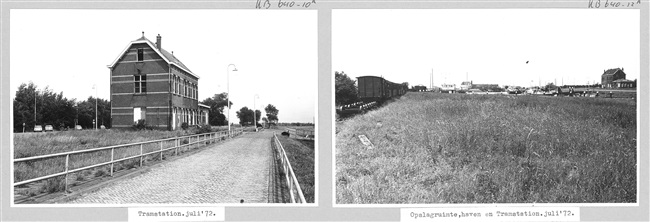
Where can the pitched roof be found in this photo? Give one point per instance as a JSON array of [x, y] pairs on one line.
[[623, 80], [168, 57], [612, 71]]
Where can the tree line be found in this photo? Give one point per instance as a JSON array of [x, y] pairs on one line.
[[345, 89], [33, 106], [216, 116], [44, 107]]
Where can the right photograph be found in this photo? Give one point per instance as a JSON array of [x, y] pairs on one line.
[[485, 106]]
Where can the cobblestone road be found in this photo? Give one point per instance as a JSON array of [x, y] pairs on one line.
[[223, 173]]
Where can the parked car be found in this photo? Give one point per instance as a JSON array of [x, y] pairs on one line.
[[49, 128], [38, 128]]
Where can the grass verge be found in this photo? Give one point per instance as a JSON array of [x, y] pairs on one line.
[[301, 156], [34, 144], [455, 148]]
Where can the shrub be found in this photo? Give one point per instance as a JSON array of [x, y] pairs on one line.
[[203, 129], [184, 125], [53, 185], [140, 125]]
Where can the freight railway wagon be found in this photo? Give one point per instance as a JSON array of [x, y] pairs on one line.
[[374, 88]]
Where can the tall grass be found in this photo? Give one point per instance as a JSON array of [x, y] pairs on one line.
[[442, 148], [301, 156], [34, 144]]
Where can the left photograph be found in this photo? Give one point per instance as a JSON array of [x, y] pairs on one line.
[[139, 107]]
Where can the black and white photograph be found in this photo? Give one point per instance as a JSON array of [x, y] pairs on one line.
[[142, 107], [486, 106]]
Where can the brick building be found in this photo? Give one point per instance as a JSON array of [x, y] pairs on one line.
[[609, 76], [148, 83]]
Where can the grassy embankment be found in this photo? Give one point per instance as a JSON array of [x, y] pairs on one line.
[[441, 148], [301, 155], [34, 144]]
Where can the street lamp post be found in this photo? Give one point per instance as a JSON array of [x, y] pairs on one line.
[[255, 113], [228, 89]]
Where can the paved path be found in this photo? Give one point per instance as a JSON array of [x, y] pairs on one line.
[[223, 173]]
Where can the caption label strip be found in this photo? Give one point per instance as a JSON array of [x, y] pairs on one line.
[[491, 214], [177, 214], [614, 4], [266, 4]]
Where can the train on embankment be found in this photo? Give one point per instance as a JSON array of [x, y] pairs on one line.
[[372, 91], [378, 89]]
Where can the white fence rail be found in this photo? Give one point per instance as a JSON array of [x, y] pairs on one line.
[[292, 182], [178, 143]]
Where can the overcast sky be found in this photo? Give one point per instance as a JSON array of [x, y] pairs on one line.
[[486, 45], [275, 52]]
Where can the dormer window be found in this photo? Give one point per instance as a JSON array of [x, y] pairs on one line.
[[140, 54]]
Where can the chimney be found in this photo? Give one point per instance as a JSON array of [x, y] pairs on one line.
[[158, 42]]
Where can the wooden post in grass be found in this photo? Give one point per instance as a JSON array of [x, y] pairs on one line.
[[161, 148], [112, 158], [140, 155], [67, 160]]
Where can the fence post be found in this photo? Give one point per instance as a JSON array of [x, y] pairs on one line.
[[176, 144], [112, 158], [67, 160], [161, 148], [140, 155]]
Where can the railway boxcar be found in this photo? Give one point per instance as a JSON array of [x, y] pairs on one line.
[[371, 88], [374, 88]]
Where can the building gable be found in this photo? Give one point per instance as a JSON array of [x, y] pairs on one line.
[[166, 56]]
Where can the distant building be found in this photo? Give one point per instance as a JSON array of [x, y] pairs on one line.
[[448, 88], [486, 87], [624, 83], [466, 85], [609, 76], [148, 83]]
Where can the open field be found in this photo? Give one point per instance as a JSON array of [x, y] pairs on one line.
[[456, 148], [34, 144], [301, 155]]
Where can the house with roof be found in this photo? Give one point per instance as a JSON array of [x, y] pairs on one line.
[[465, 86], [148, 83], [615, 78]]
